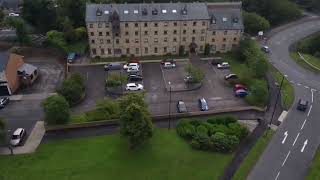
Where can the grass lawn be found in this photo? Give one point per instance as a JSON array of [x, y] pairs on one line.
[[314, 172], [287, 94], [311, 59], [165, 157], [254, 155]]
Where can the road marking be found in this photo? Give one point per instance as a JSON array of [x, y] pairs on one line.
[[292, 82], [277, 175], [312, 95], [304, 145], [285, 136], [313, 90], [286, 158], [309, 111], [299, 84], [295, 139], [215, 98], [306, 87], [285, 75], [304, 122]]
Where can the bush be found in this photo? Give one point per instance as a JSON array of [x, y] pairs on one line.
[[56, 110], [116, 80], [258, 93], [73, 89], [185, 129], [254, 23], [225, 120], [195, 144], [196, 73], [80, 33], [237, 130], [223, 143], [57, 40]]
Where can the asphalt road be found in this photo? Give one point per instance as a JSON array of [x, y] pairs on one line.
[[290, 153]]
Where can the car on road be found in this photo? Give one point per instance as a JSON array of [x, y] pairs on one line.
[[265, 49], [135, 77], [240, 86], [241, 93], [3, 102], [13, 15], [112, 66], [71, 57], [231, 77], [203, 105], [181, 107], [224, 65], [131, 65], [134, 87], [18, 137], [133, 70], [302, 105], [169, 65]]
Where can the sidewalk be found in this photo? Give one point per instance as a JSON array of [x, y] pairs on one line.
[[38, 96], [31, 143]]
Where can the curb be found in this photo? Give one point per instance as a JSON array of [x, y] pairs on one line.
[[301, 57]]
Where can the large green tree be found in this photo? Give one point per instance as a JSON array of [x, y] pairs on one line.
[[254, 23], [73, 10], [21, 28], [56, 110], [72, 89]]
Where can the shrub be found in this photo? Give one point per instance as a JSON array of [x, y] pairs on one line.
[[195, 144], [225, 120], [258, 93], [57, 39], [80, 33], [237, 130], [194, 122], [116, 80], [201, 135], [110, 108], [196, 73], [72, 89], [223, 143], [56, 110], [185, 129]]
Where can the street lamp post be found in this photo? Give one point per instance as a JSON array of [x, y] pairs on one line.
[[9, 145], [275, 106], [169, 122]]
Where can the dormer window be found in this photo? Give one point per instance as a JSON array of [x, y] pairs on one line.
[[135, 11], [224, 19], [99, 12], [126, 12], [154, 12], [235, 20], [144, 12], [174, 11], [164, 11], [184, 10], [106, 12], [213, 20]]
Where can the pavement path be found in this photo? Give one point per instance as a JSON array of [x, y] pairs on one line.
[[290, 153]]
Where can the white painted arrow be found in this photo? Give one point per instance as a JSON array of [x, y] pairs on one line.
[[285, 136], [304, 145]]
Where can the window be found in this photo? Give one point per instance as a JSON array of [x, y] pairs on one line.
[[145, 32], [203, 23], [107, 25], [126, 25], [165, 32], [193, 31], [92, 34], [102, 51], [174, 39], [223, 47], [145, 24], [174, 31], [109, 51], [127, 41], [225, 32], [224, 19], [203, 31], [164, 11], [165, 39], [164, 49], [146, 40], [184, 31], [155, 24], [213, 40], [136, 33], [174, 11], [213, 48], [174, 49], [155, 40], [108, 41], [224, 39], [135, 11], [146, 50], [128, 50], [107, 33], [94, 51], [92, 41], [155, 32], [175, 24], [100, 33], [101, 41], [99, 25], [202, 38], [137, 50], [126, 12], [117, 41], [184, 24], [201, 48], [213, 33], [234, 39], [193, 39], [165, 23], [136, 25], [117, 34], [194, 23], [91, 25], [155, 50], [136, 40], [127, 33], [184, 39]]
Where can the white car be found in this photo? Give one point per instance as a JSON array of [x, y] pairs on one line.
[[133, 65], [169, 65], [17, 137], [14, 15], [134, 87], [223, 65], [133, 70]]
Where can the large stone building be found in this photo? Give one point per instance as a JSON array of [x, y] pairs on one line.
[[162, 28]]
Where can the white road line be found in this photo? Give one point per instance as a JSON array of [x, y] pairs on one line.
[[292, 82], [299, 84], [304, 122], [309, 111], [311, 95], [295, 139], [286, 158], [306, 87], [285, 75], [277, 175]]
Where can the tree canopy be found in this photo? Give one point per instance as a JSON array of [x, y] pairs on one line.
[[254, 23], [56, 110]]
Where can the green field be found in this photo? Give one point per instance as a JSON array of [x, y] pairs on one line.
[[165, 157], [314, 172], [253, 156], [311, 59]]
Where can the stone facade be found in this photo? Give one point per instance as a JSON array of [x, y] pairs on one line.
[[115, 36]]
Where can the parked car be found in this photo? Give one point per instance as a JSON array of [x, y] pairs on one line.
[[265, 49], [188, 79], [17, 137], [241, 93], [181, 107], [133, 69], [129, 65], [112, 66], [135, 77], [240, 86], [71, 57], [231, 77], [169, 65], [215, 62], [167, 60], [203, 105], [302, 105], [14, 14], [3, 102], [134, 87], [223, 65]]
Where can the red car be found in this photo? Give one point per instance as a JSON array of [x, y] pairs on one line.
[[240, 86]]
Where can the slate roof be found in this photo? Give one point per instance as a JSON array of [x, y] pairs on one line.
[[195, 11]]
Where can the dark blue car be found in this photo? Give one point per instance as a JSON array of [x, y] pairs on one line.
[[71, 57], [241, 93]]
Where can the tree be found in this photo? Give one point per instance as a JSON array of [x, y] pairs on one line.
[[72, 89], [56, 39], [133, 98], [258, 93], [196, 73], [56, 110], [254, 23], [2, 15], [21, 29], [207, 50], [136, 125], [73, 10], [116, 80], [2, 130], [80, 33], [181, 50], [67, 28]]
